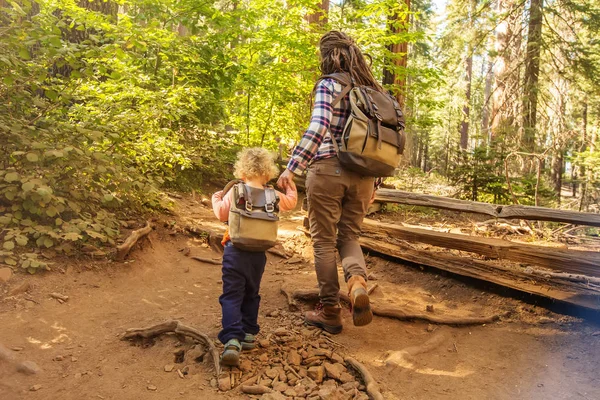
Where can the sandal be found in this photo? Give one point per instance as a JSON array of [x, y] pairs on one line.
[[231, 355], [249, 342]]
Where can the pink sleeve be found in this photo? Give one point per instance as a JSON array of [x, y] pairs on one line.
[[288, 200], [221, 206]]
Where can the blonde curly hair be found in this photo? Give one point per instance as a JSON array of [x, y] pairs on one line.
[[255, 162]]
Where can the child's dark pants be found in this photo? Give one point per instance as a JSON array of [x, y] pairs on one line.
[[242, 272]]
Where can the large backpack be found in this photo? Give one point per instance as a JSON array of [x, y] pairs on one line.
[[253, 219], [373, 138]]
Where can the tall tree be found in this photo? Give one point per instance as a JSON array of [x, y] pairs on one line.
[[532, 72], [394, 73]]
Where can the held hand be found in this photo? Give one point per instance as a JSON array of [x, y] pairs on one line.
[[285, 179]]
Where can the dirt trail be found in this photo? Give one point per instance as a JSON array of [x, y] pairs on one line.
[[534, 354]]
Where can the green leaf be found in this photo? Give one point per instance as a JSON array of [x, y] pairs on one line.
[[48, 242], [31, 270], [5, 220], [32, 157], [73, 236], [51, 94], [10, 261], [9, 245], [27, 186], [21, 240], [11, 177], [51, 211], [108, 198], [24, 54]]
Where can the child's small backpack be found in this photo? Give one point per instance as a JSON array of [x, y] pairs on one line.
[[253, 219], [373, 138]]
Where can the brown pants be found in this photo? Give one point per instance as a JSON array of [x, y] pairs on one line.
[[338, 200]]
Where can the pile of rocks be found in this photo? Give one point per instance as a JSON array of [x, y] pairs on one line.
[[294, 364]]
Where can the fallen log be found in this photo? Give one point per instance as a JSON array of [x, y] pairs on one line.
[[493, 210], [174, 326], [570, 293], [565, 260], [370, 383], [382, 311], [136, 235], [564, 275]]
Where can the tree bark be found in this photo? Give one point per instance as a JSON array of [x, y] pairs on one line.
[[319, 17], [532, 72], [464, 125], [397, 24]]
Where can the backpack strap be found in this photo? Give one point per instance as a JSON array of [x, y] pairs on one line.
[[229, 185], [270, 200], [345, 80]]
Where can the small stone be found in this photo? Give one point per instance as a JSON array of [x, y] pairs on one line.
[[274, 314], [224, 384], [246, 365], [329, 382], [430, 328], [280, 387], [334, 370], [316, 373], [294, 358], [307, 332], [429, 308], [348, 386], [346, 378], [151, 387], [28, 368], [17, 348], [58, 358], [264, 343], [327, 393], [273, 396], [5, 274], [264, 357], [77, 375], [169, 367], [35, 388], [337, 358], [290, 392], [272, 373], [281, 331], [545, 320], [213, 383], [73, 359]]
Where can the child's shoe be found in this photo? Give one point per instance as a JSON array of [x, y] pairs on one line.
[[231, 355], [249, 342]]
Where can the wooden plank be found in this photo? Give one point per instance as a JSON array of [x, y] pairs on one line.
[[565, 260], [425, 200], [493, 210], [567, 292], [549, 214]]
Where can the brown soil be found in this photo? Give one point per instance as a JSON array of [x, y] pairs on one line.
[[533, 354]]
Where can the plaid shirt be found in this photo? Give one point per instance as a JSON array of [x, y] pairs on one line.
[[316, 144]]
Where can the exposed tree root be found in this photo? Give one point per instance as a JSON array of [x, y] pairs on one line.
[[207, 260], [313, 295], [136, 235], [370, 383], [176, 327]]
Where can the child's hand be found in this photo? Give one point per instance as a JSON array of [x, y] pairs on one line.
[[285, 179]]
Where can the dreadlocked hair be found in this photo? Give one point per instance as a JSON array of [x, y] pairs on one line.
[[339, 53]]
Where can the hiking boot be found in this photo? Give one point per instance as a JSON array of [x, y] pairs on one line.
[[231, 355], [249, 342], [359, 299], [325, 317]]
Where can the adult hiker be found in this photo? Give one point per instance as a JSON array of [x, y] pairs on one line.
[[338, 198]]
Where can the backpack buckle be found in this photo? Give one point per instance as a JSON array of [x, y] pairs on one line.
[[249, 206], [270, 207]]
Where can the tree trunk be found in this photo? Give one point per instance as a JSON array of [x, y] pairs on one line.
[[464, 125], [485, 118], [557, 170], [398, 23], [320, 17], [532, 72]]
